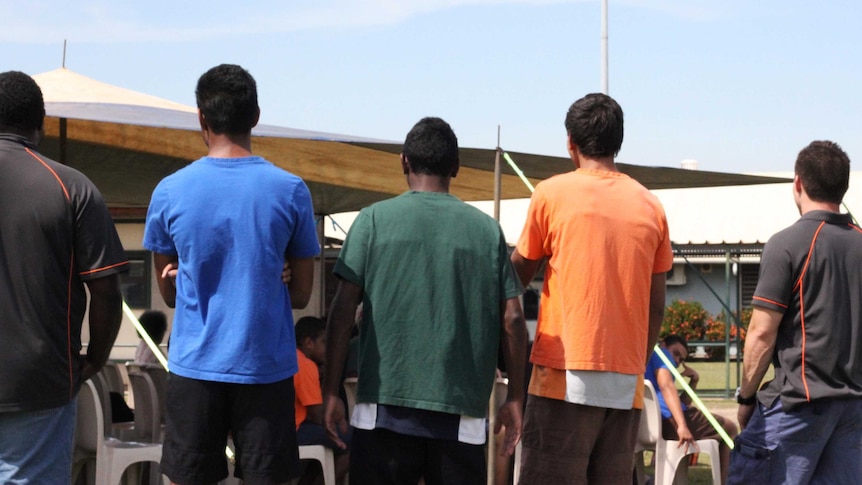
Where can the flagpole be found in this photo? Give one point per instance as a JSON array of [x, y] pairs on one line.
[[605, 46]]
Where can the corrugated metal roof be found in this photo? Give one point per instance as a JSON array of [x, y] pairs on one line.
[[738, 215], [748, 214]]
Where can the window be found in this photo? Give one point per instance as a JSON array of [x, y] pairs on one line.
[[135, 283]]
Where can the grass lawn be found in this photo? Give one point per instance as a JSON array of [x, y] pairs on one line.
[[713, 377]]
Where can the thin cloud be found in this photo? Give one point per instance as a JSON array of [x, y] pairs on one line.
[[94, 21]]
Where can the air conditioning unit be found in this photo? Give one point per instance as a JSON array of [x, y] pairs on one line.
[[676, 276]]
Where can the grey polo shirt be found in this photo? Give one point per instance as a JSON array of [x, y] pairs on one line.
[[55, 233], [812, 272]]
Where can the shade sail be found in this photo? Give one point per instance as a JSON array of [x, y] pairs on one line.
[[126, 142]]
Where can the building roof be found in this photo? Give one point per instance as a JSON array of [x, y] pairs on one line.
[[747, 214]]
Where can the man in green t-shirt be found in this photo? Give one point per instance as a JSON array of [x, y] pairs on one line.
[[440, 298]]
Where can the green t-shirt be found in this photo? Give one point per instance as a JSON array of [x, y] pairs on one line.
[[435, 274]]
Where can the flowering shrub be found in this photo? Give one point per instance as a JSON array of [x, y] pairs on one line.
[[717, 330], [688, 319], [691, 321]]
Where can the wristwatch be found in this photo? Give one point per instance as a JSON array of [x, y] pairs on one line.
[[745, 401]]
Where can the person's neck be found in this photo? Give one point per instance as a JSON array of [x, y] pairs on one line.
[[807, 205], [605, 164], [229, 146], [428, 183]]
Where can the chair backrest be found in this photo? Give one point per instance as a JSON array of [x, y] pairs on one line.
[[90, 420], [159, 376], [350, 384], [148, 421], [649, 432], [501, 390], [113, 377], [104, 393]]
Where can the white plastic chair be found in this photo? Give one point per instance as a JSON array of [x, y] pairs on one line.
[[668, 454], [323, 455], [112, 455], [114, 378], [350, 384], [148, 418]]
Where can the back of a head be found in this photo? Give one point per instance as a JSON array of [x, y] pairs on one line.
[[155, 323], [431, 147], [595, 124], [309, 327], [227, 97], [824, 170], [22, 108]]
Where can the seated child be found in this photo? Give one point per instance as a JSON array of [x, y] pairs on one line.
[[311, 346], [156, 325]]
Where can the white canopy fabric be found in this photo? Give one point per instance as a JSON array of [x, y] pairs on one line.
[[126, 142]]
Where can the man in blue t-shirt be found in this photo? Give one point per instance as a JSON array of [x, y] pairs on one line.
[[221, 230], [679, 421]]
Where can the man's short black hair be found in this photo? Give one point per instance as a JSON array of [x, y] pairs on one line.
[[595, 124], [309, 327], [675, 339], [227, 97], [155, 323], [824, 170], [22, 109], [431, 147]]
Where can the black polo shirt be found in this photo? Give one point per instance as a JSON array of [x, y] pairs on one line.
[[812, 271], [55, 233]]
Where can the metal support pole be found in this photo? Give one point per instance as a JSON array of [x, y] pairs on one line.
[[498, 176], [727, 327], [321, 280], [605, 46]]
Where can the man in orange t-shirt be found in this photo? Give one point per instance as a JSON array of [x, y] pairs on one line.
[[605, 240]]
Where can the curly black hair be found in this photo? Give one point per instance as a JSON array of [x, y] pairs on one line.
[[22, 108]]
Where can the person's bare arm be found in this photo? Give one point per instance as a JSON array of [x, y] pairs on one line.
[[524, 268], [301, 281], [514, 340], [671, 398], [341, 316], [166, 276], [656, 310], [757, 355], [315, 414], [105, 314], [693, 379]]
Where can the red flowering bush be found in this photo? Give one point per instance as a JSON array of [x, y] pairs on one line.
[[688, 319], [720, 324]]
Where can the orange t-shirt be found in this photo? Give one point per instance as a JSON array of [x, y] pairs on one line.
[[307, 385], [604, 235]]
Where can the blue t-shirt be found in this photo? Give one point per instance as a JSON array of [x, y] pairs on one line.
[[655, 363], [232, 223]]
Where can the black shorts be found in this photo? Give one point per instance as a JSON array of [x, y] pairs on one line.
[[201, 414], [380, 456]]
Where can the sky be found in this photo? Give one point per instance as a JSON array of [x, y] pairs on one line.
[[739, 86]]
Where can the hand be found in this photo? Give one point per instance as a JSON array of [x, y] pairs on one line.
[[87, 370], [169, 272], [743, 414], [686, 438], [333, 419], [509, 415], [691, 374], [286, 273]]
